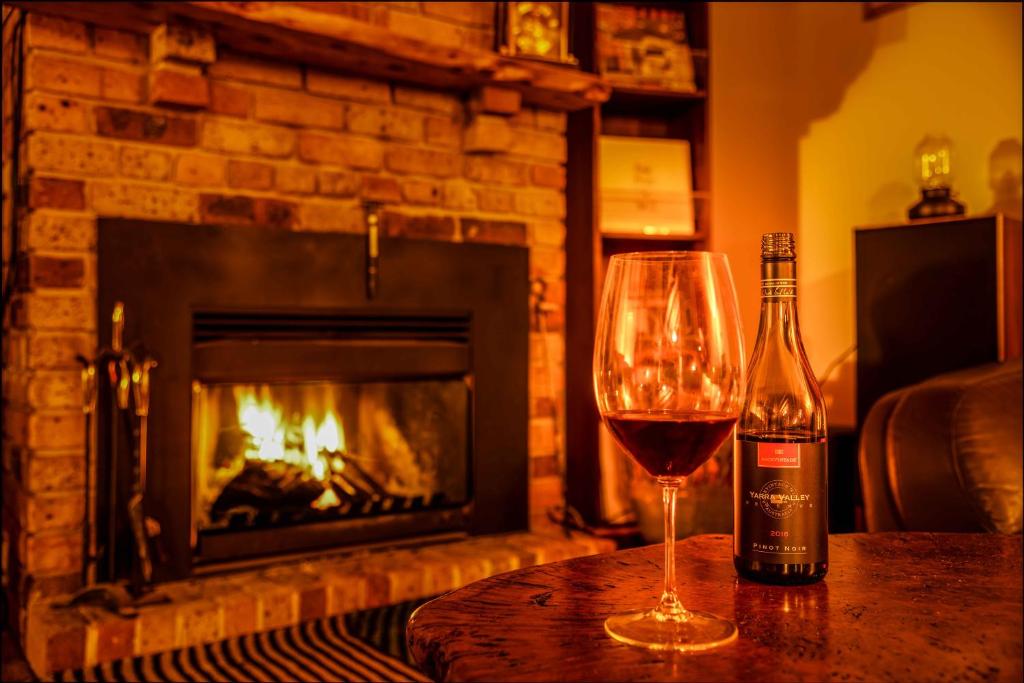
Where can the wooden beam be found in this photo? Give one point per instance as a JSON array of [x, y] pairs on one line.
[[292, 32]]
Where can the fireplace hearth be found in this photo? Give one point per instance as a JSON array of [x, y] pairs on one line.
[[291, 413]]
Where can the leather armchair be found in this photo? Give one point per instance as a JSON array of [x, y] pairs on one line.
[[946, 454]]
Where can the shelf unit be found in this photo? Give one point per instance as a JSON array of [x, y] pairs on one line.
[[629, 111]]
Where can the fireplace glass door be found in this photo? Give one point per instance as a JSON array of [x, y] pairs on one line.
[[281, 454]]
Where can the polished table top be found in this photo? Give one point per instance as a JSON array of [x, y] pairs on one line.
[[899, 607]]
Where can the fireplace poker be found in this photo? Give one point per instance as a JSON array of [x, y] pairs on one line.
[[140, 392], [114, 365], [89, 395]]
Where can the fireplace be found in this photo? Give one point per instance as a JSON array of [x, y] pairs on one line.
[[296, 408]]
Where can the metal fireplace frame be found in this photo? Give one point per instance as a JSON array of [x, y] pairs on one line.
[[262, 305]]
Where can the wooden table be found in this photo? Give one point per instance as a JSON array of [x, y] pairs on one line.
[[897, 607]]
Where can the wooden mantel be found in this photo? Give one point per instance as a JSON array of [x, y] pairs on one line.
[[288, 31]]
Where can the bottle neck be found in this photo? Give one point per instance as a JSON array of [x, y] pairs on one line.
[[778, 298]]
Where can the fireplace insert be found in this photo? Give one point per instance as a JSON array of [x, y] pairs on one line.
[[295, 409]]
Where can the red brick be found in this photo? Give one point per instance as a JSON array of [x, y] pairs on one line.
[[61, 511], [458, 195], [129, 124], [71, 154], [549, 233], [544, 466], [488, 169], [312, 603], [252, 175], [551, 120], [122, 45], [337, 183], [145, 163], [53, 473], [427, 99], [426, 192], [422, 162], [380, 189], [173, 87], [55, 390], [347, 87], [244, 68], [492, 100], [115, 639], [124, 86], [246, 137], [56, 193], [487, 133], [429, 227], [548, 176], [52, 271], [55, 33], [385, 122], [278, 608], [541, 437], [443, 131], [55, 113], [239, 614], [182, 42], [222, 209], [539, 144], [275, 213], [227, 209], [53, 553], [339, 149], [296, 108], [200, 169], [199, 623], [547, 263], [142, 200], [295, 179], [378, 590], [497, 201], [66, 648], [228, 100], [331, 216], [57, 74], [499, 232], [546, 203], [157, 626]]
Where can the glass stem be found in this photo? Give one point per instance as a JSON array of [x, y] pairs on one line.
[[669, 607]]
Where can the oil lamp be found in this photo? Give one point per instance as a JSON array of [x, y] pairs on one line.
[[933, 172]]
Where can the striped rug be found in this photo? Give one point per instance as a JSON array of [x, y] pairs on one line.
[[361, 646]]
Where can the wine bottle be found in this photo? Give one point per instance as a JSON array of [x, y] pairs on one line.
[[780, 473]]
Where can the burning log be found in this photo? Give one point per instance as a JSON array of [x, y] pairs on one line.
[[268, 487]]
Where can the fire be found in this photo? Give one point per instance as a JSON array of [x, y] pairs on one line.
[[311, 446]]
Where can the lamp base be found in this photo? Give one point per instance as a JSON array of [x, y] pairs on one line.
[[936, 201]]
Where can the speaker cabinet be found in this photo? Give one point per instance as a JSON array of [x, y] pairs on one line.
[[933, 297]]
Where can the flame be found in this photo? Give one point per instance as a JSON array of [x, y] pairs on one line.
[[330, 436], [263, 421]]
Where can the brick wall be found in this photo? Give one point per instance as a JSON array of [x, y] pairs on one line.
[[172, 127]]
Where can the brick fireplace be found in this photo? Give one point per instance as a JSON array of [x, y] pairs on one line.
[[198, 119]]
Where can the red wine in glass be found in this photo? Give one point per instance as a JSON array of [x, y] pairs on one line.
[[669, 444]]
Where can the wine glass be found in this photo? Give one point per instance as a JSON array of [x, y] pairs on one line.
[[668, 374]]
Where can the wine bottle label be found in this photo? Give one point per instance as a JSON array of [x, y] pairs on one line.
[[781, 502], [778, 288]]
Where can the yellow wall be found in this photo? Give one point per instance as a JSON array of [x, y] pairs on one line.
[[815, 113]]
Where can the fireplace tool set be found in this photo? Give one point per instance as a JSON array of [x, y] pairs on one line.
[[122, 377]]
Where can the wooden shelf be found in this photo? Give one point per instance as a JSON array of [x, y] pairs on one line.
[[289, 31], [631, 111]]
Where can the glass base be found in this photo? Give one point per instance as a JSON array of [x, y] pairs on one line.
[[654, 630]]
